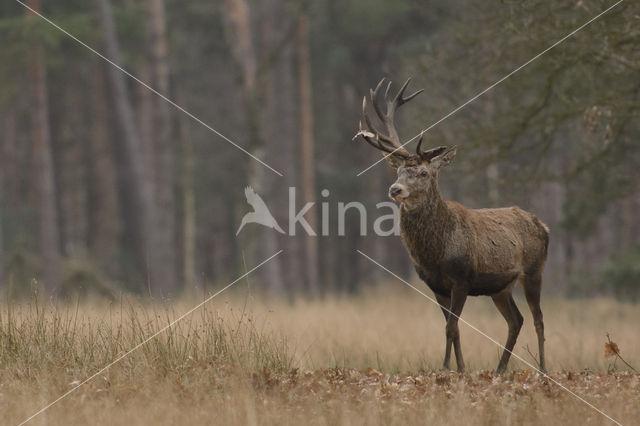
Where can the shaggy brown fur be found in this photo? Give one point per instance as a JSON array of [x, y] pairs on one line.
[[457, 251], [460, 252]]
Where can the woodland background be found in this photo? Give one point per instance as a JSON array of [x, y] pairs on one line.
[[105, 187]]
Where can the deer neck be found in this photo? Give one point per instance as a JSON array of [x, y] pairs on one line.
[[425, 228]]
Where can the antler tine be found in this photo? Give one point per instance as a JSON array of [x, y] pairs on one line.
[[411, 96], [418, 150], [367, 136], [373, 131], [370, 125], [400, 99], [379, 139], [374, 99], [429, 154], [379, 85], [386, 92]]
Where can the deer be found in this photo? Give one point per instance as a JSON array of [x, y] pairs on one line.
[[458, 251]]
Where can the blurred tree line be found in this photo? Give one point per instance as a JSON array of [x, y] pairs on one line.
[[105, 185]]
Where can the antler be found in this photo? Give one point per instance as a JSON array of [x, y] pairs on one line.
[[430, 153], [385, 142]]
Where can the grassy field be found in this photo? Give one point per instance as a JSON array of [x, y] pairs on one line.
[[373, 359]]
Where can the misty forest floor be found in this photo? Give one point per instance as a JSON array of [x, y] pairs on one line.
[[367, 360]]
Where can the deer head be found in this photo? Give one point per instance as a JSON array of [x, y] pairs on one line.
[[417, 173]]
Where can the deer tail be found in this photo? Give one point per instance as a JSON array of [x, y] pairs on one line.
[[545, 230]]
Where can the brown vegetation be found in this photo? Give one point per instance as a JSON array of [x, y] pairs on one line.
[[340, 361]]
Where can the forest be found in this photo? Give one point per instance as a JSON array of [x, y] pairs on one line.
[[130, 129]]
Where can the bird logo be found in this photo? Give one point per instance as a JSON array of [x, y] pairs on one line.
[[260, 213]]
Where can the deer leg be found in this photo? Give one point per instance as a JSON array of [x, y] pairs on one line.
[[507, 307], [458, 297], [445, 305], [532, 285]]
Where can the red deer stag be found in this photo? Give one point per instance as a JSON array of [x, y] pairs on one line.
[[458, 251]]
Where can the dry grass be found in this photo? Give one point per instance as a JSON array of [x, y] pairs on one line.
[[370, 360]]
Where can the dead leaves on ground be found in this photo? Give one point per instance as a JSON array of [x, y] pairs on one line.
[[409, 389]]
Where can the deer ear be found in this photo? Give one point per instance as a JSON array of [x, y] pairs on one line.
[[445, 158], [394, 161]]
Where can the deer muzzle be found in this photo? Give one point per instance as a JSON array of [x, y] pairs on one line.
[[398, 192]]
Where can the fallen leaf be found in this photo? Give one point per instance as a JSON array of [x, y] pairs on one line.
[[372, 372], [611, 349]]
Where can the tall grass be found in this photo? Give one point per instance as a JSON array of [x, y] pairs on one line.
[[243, 359], [38, 337], [394, 329]]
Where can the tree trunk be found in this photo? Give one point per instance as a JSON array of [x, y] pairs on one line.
[[135, 187], [307, 153], [281, 131], [104, 226], [188, 203], [269, 39], [10, 156], [41, 134], [143, 100], [164, 234], [241, 39], [70, 135], [7, 160]]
